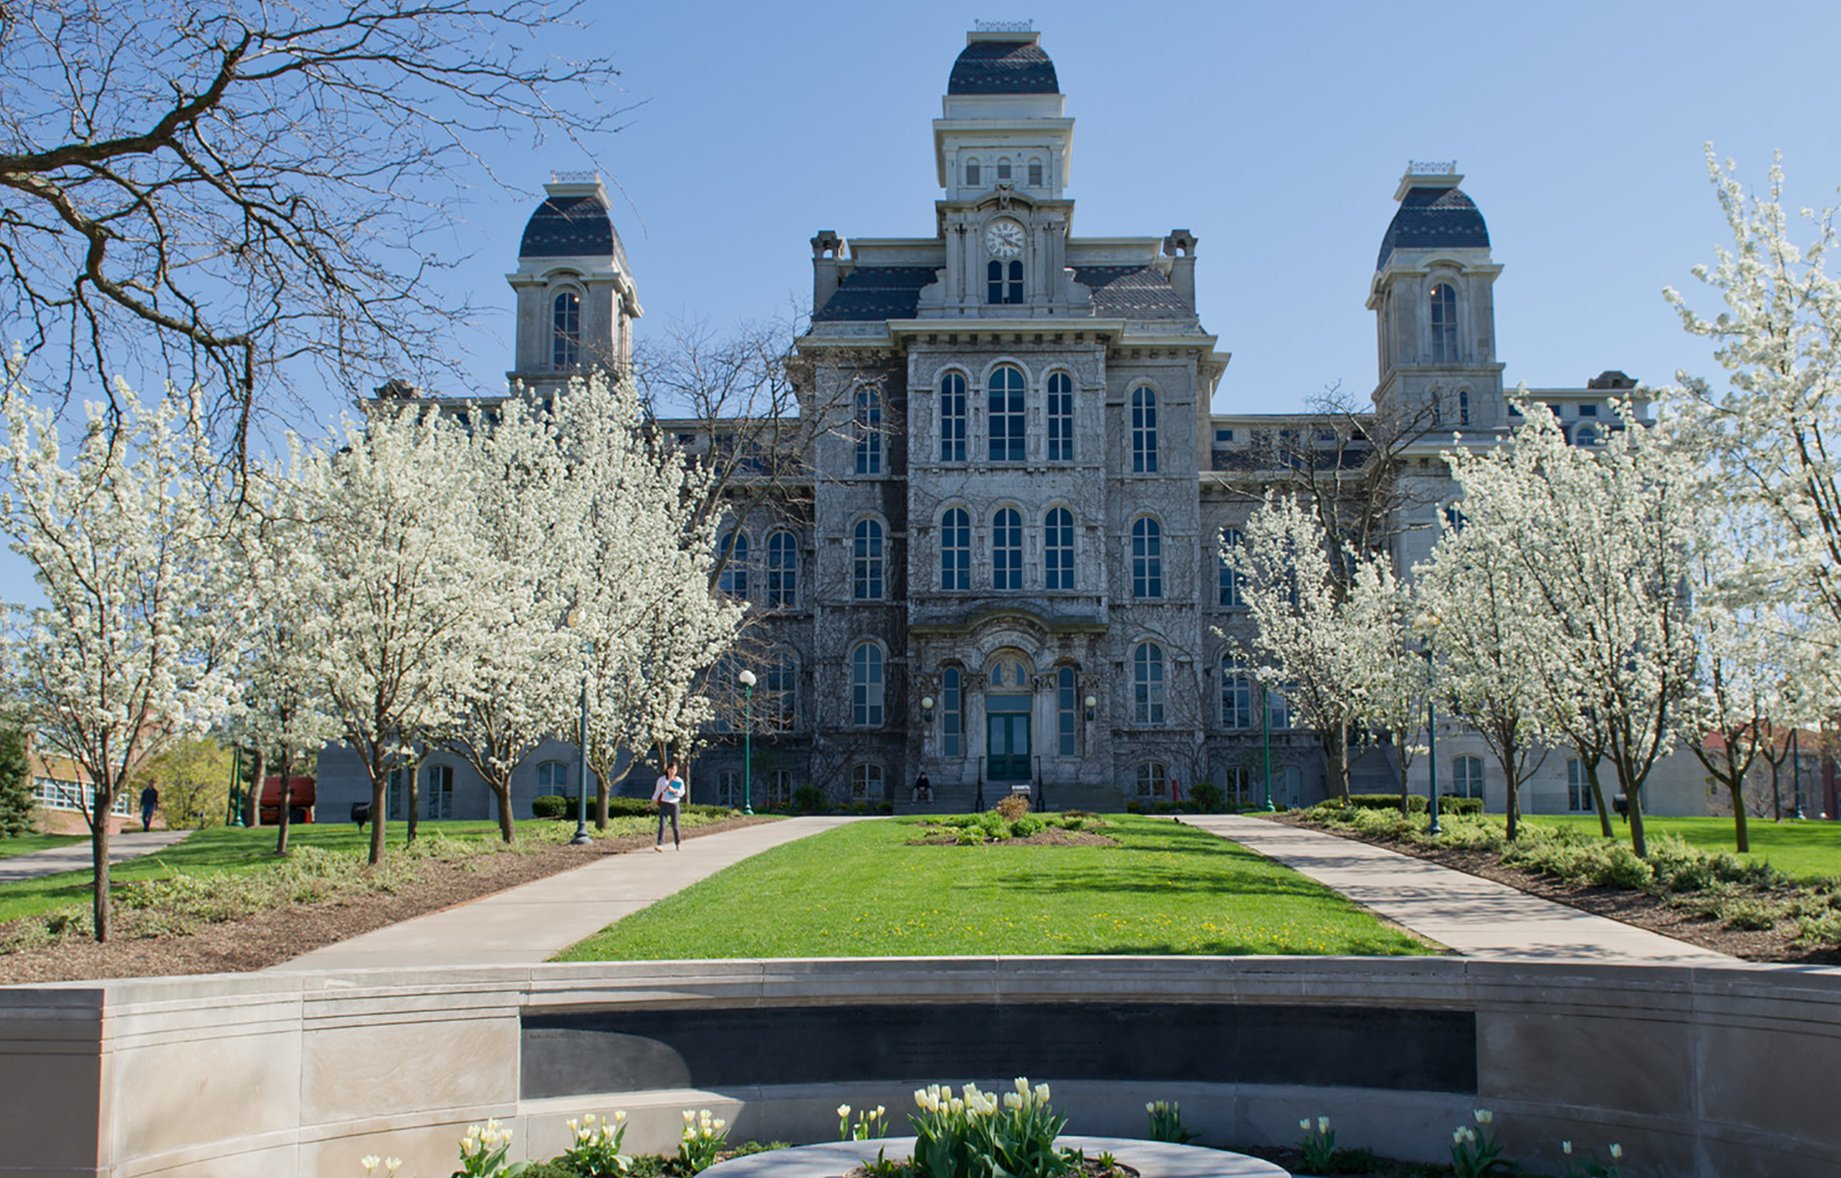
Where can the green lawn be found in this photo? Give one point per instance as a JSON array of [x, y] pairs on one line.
[[860, 891], [25, 844], [221, 850], [1808, 849]]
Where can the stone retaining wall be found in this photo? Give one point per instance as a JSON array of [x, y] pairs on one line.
[[1714, 1072]]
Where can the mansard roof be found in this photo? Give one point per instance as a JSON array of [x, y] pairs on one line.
[[871, 293], [1003, 67], [569, 226], [1132, 292], [1434, 218]]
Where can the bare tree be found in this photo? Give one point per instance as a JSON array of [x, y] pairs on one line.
[[225, 193]]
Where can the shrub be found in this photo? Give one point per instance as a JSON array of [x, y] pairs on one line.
[[1134, 807], [885, 807], [552, 806], [1208, 796], [993, 826], [971, 836], [1026, 826], [1013, 807], [1622, 869], [1451, 804], [1749, 914], [808, 799], [1414, 802]]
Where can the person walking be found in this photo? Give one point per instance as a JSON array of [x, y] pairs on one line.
[[666, 795], [150, 798]]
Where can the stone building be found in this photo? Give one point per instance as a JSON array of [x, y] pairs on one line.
[[999, 562]]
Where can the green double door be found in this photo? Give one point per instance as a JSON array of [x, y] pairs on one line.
[[1007, 746]]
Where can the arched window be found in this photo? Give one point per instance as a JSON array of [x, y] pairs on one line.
[[1147, 684], [869, 432], [780, 707], [1060, 418], [1058, 549], [866, 685], [1278, 709], [1146, 559], [974, 175], [566, 331], [956, 551], [1035, 173], [1236, 694], [1015, 294], [1153, 780], [1007, 550], [952, 417], [553, 779], [994, 282], [782, 570], [866, 562], [952, 712], [1229, 587], [734, 579], [1585, 435], [866, 783], [1467, 777], [1463, 407], [1143, 431], [1003, 169], [1005, 419], [1444, 324], [1067, 716], [438, 791]]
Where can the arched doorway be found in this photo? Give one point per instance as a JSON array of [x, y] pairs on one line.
[[1009, 706]]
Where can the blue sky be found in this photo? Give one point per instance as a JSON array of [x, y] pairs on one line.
[[1275, 132]]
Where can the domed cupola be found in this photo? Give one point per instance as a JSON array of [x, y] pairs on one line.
[[1433, 215], [1001, 59], [576, 298]]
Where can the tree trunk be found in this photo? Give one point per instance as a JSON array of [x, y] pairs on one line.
[[1741, 832], [1406, 799], [501, 792], [100, 806], [380, 782], [600, 801], [1512, 803], [1598, 802], [1336, 753], [287, 795], [252, 801], [415, 801], [1633, 798]]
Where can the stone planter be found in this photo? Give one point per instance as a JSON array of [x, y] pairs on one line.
[[1152, 1159]]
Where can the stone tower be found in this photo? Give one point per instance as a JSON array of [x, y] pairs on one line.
[[575, 292]]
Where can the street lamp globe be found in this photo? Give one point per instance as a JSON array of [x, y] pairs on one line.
[[746, 678]]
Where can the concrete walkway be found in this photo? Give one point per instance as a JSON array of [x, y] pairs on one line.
[[535, 921], [76, 856], [1475, 917]]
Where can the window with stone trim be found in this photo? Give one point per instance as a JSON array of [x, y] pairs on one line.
[[1467, 777], [1229, 583], [1058, 549], [868, 428], [1007, 550], [866, 783], [956, 551], [1236, 694], [866, 577], [1147, 693], [1444, 324], [1005, 419], [1146, 559], [1035, 173], [1143, 430], [974, 173], [780, 702], [952, 712], [1003, 169], [734, 578], [1153, 779], [566, 331], [952, 417], [782, 570], [866, 685], [1067, 715], [1060, 417]]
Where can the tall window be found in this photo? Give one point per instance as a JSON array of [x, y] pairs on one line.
[[1467, 777], [1007, 550], [566, 331], [553, 778], [780, 707], [1035, 173], [952, 417], [1147, 683], [1229, 576], [1236, 694], [955, 550], [780, 787], [866, 783], [438, 783], [1015, 293], [1444, 324], [1578, 787], [729, 788], [994, 282], [783, 570], [1003, 169], [1153, 780], [1006, 415], [869, 432], [974, 175], [734, 579], [866, 685], [1061, 418], [1146, 559], [866, 571], [1066, 700], [1278, 709], [1143, 431], [1463, 407], [952, 712], [1058, 549]]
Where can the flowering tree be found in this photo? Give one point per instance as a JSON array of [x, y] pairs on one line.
[[1392, 675], [1601, 536], [1772, 432], [126, 539], [389, 558]]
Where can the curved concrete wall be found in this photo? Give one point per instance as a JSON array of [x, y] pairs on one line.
[[1714, 1072]]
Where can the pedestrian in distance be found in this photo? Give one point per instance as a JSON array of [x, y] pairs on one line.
[[150, 798], [923, 790], [667, 793]]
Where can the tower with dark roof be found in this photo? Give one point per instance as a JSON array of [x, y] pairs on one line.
[[1435, 313], [576, 300]]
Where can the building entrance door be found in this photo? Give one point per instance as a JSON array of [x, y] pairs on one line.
[[1007, 746]]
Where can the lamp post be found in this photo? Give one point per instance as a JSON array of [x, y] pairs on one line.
[[1428, 624], [1265, 740], [582, 838], [1796, 775], [746, 679]]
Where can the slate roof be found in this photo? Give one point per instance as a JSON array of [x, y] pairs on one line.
[[870, 293], [572, 226], [1132, 292], [1430, 218], [1003, 67]]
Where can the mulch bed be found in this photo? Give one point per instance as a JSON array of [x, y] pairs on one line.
[[1051, 837], [281, 934], [1642, 909]]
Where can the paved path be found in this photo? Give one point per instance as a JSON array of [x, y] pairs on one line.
[[535, 921], [1476, 917], [76, 856]]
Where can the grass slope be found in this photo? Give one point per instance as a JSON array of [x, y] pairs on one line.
[[1810, 849], [861, 891], [25, 844]]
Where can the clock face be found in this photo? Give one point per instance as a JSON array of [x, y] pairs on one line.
[[1004, 238]]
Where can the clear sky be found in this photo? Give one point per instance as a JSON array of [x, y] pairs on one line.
[[1275, 132]]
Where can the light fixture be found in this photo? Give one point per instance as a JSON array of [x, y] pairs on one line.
[[926, 709], [1091, 704], [746, 678]]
